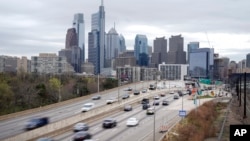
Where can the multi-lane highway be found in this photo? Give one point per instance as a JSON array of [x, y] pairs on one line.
[[149, 124], [14, 126]]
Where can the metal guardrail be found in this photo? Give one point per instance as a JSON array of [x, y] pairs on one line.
[[224, 121]]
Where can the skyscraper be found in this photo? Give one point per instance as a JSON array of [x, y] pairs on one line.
[[191, 46], [78, 24], [112, 48], [141, 50], [248, 60], [96, 41], [176, 54], [122, 43], [71, 38], [160, 51]]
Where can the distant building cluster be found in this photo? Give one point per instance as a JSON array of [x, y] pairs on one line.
[[107, 54]]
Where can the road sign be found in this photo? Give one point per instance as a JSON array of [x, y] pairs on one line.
[[182, 113]]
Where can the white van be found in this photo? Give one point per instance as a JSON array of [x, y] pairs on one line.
[[88, 106]]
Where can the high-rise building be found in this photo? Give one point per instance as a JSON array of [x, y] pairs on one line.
[[176, 54], [220, 68], [160, 51], [113, 47], [201, 63], [248, 60], [71, 38], [191, 46], [122, 43], [96, 41], [141, 50], [79, 25]]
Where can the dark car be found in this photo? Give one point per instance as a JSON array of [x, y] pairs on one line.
[[37, 122], [109, 123], [176, 97], [136, 92], [145, 101], [128, 108], [180, 93], [96, 97], [81, 136], [165, 102], [162, 94], [125, 96], [145, 106]]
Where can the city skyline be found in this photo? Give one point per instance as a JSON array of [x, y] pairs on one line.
[[41, 26]]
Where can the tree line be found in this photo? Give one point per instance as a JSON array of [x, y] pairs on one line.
[[24, 91]]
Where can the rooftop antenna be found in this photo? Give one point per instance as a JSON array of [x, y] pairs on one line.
[[102, 2], [114, 25]]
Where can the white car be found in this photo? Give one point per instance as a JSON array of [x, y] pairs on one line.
[[88, 106], [81, 127], [111, 100], [132, 121]]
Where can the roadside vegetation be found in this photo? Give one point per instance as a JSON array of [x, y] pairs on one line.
[[199, 124], [25, 91]]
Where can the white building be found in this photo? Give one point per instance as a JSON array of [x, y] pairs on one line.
[[173, 71], [47, 63]]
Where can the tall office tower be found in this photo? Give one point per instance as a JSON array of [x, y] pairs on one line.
[[176, 54], [113, 47], [71, 38], [160, 51], [220, 68], [96, 41], [201, 63], [122, 44], [78, 24], [248, 60], [191, 46], [141, 50]]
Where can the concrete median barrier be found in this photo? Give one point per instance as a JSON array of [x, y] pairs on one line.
[[29, 135]]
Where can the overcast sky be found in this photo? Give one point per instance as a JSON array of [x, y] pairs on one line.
[[30, 27]]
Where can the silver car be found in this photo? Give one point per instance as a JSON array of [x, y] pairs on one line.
[[81, 127]]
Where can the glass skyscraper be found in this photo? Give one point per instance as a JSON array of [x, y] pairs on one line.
[[191, 46], [78, 24], [96, 41], [141, 50]]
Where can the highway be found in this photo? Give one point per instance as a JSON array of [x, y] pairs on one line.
[[164, 115], [14, 126]]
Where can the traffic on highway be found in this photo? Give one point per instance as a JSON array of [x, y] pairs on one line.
[[160, 107]]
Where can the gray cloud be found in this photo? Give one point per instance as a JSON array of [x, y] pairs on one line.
[[31, 26]]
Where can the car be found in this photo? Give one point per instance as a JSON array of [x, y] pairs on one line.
[[80, 127], [96, 97], [156, 97], [125, 96], [81, 136], [180, 93], [162, 94], [176, 96], [37, 122], [109, 123], [128, 108], [88, 106], [144, 90], [150, 111], [44, 139], [145, 106], [171, 92], [136, 92], [156, 102], [145, 101], [128, 89], [111, 100], [165, 102], [132, 122]]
